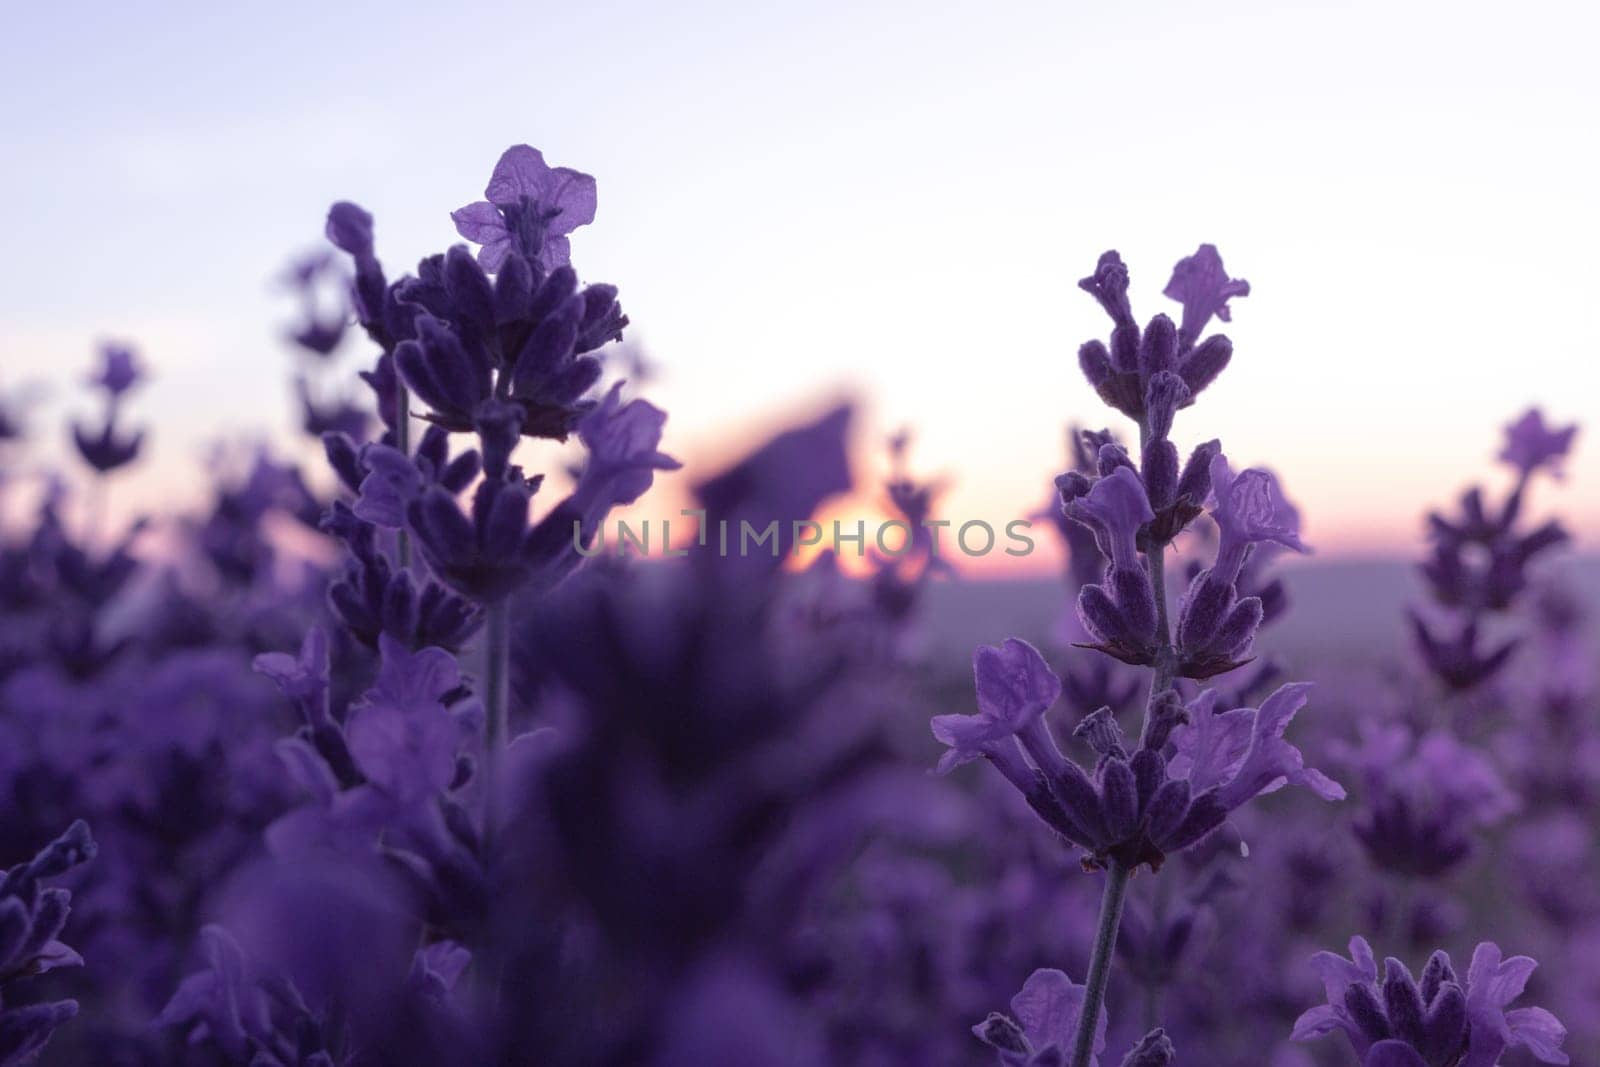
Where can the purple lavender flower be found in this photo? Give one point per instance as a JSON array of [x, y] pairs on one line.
[[1242, 753], [1135, 809], [119, 369], [1120, 612], [107, 449], [624, 441], [320, 331], [1437, 1022], [1015, 687], [1203, 287], [1532, 446], [1044, 1017], [31, 920], [1216, 626], [402, 736], [1423, 799], [529, 209]]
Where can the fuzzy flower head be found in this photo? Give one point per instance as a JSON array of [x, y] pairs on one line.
[[528, 208], [1531, 445], [1015, 686], [1438, 1021]]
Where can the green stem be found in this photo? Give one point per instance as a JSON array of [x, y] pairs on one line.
[[1105, 942]]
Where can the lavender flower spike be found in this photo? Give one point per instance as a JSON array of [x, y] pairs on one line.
[[1437, 1022]]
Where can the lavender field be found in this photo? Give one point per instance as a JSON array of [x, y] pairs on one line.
[[391, 737]]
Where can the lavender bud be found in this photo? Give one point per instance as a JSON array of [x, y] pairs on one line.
[[1238, 629], [1125, 349], [1078, 798], [1207, 361], [1131, 590], [1095, 362], [513, 289], [1166, 809], [1444, 1028], [1435, 974], [1194, 483], [1204, 607], [1206, 813], [1120, 800], [1100, 616], [1365, 1011], [469, 287], [1159, 347], [1160, 470], [1149, 771], [1401, 1002]]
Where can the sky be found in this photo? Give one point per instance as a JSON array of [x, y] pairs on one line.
[[891, 202]]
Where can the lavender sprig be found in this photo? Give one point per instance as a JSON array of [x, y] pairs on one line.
[[1191, 765]]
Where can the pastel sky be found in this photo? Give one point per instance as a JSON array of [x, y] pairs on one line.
[[891, 201]]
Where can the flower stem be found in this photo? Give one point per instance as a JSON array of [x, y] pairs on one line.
[[402, 441], [1105, 942], [496, 638], [1157, 563]]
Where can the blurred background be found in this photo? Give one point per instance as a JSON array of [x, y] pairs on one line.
[[887, 201]]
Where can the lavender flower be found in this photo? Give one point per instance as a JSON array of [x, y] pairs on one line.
[[31, 920], [1440, 1021], [1531, 445], [1044, 1017], [528, 208], [1203, 287], [1134, 809], [107, 449]]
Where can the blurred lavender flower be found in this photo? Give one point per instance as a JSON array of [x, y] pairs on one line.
[[119, 369], [1531, 445], [106, 449], [1044, 1017], [1479, 562], [31, 920], [320, 331], [1423, 799], [1439, 1022]]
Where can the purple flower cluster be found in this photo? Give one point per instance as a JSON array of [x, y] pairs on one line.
[[1183, 783], [388, 764]]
